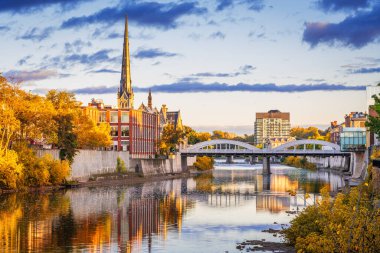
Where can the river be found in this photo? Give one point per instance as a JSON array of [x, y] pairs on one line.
[[208, 213]]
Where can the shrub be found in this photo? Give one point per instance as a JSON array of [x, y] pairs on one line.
[[299, 162], [120, 166], [10, 170], [58, 170], [349, 223], [204, 163]]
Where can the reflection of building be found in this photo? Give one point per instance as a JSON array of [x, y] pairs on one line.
[[272, 203], [271, 124]]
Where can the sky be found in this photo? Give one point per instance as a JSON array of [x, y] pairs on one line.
[[218, 61]]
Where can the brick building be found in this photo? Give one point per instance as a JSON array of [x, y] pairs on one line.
[[134, 130]]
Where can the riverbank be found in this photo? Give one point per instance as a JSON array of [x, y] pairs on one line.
[[111, 179]]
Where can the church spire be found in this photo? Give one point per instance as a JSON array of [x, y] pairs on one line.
[[125, 94], [150, 99]]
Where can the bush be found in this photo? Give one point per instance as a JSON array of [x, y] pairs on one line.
[[298, 162], [204, 163], [58, 170], [349, 223], [10, 170], [41, 171], [120, 166]]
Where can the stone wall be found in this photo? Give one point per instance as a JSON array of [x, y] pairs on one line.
[[331, 162], [159, 166], [91, 162]]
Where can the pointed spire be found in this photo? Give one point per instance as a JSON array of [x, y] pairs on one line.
[[126, 91], [150, 100]]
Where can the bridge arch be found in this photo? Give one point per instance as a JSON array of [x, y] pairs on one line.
[[221, 144], [296, 143]]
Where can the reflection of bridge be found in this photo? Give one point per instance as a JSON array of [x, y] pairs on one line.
[[230, 148]]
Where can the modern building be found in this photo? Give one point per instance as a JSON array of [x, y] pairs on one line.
[[353, 139], [271, 124]]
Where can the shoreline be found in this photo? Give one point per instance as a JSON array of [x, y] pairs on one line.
[[105, 180]]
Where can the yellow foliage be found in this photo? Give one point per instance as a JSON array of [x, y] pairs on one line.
[[90, 135], [337, 225], [10, 170], [298, 162], [204, 163]]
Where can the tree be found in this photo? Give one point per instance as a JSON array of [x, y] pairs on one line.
[[373, 122], [171, 138], [91, 136], [68, 111], [67, 139]]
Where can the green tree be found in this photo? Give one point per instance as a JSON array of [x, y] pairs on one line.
[[373, 122], [67, 139]]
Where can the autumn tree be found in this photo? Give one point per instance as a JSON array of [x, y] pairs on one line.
[[171, 137]]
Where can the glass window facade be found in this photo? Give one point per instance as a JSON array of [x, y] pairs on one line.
[[353, 139]]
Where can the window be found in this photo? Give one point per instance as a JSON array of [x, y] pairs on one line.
[[114, 117], [124, 117], [102, 117], [125, 131], [114, 131]]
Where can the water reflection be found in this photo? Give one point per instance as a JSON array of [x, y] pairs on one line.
[[167, 216]]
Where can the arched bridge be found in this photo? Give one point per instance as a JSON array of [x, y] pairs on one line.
[[231, 147]]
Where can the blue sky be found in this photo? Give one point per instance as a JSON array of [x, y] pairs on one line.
[[219, 61]]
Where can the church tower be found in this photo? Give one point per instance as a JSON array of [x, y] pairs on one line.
[[150, 105], [125, 93]]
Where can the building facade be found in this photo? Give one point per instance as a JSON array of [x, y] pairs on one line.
[[271, 124], [135, 130], [355, 119]]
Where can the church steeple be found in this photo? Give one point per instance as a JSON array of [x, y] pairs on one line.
[[150, 100], [125, 93]]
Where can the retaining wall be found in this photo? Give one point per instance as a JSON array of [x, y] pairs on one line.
[[91, 162], [159, 166]]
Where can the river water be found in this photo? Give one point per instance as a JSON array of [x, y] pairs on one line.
[[208, 213]]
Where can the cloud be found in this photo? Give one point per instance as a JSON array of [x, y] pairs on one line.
[[104, 71], [342, 5], [254, 5], [28, 6], [151, 14], [152, 53], [24, 60], [4, 28], [36, 34], [365, 71], [34, 75], [243, 70], [354, 31], [217, 35], [194, 87], [90, 60], [76, 46], [223, 4]]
